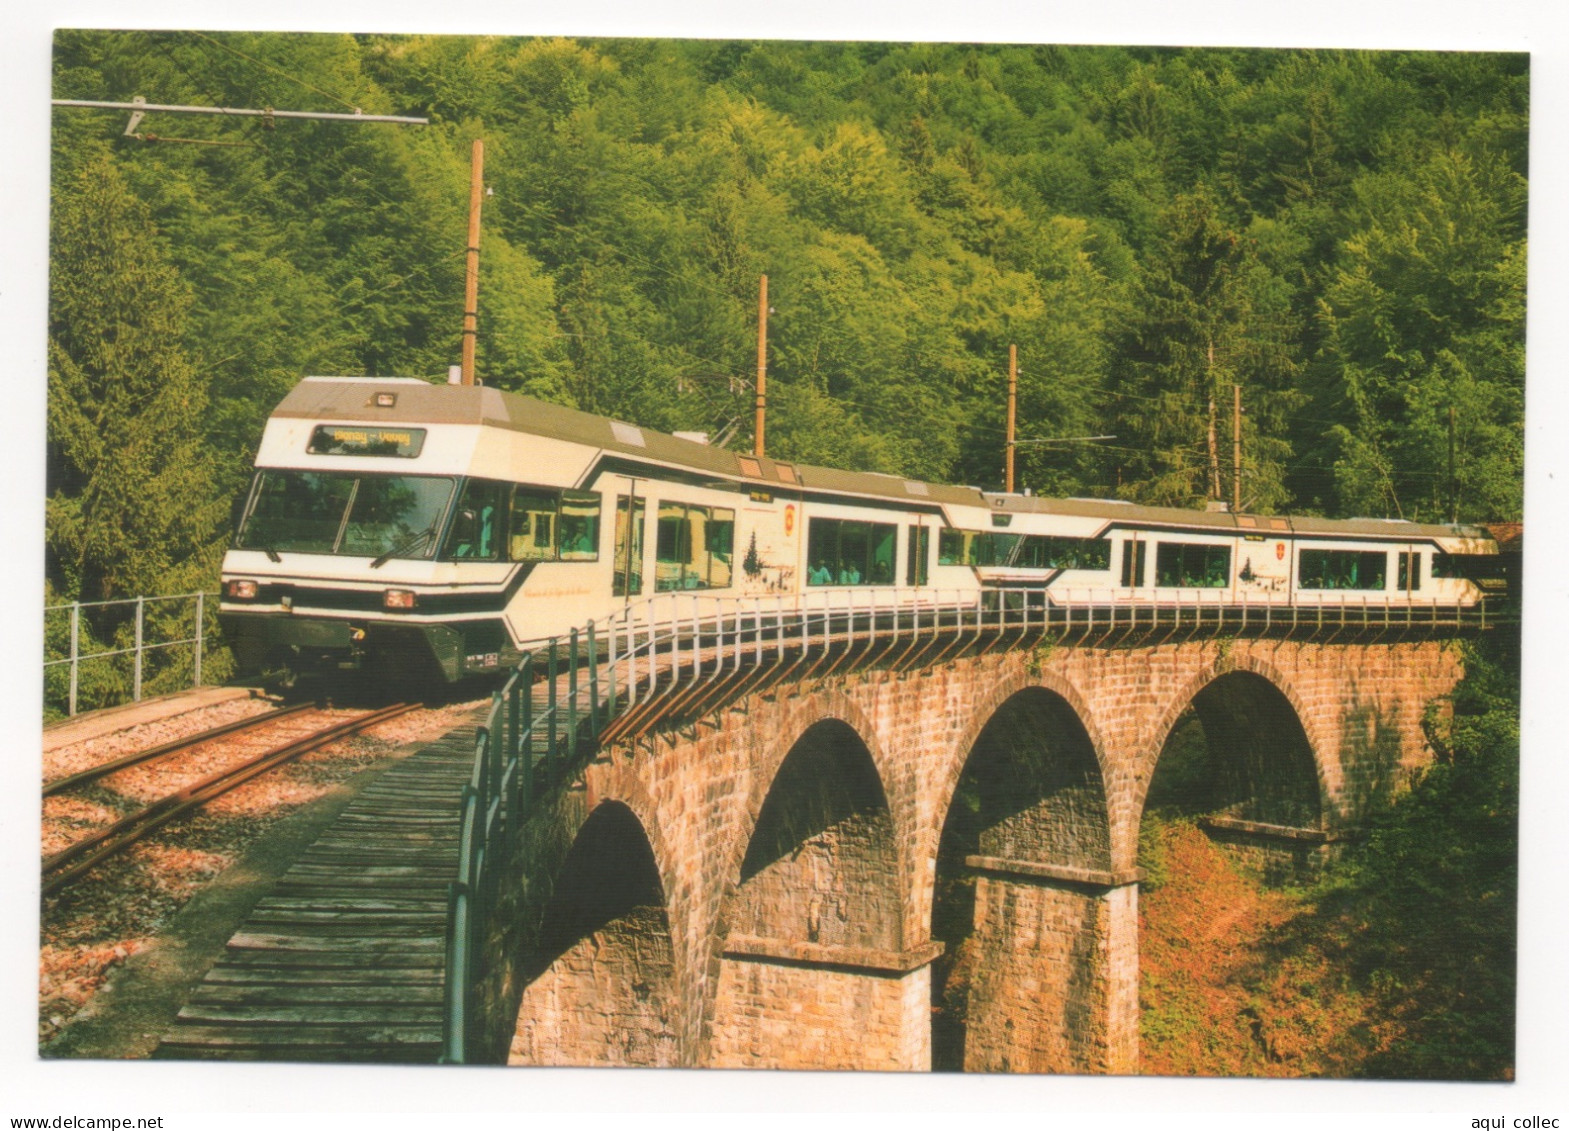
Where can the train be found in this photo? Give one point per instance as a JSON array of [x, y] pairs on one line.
[[395, 523]]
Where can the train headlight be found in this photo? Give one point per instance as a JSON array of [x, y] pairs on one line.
[[240, 590], [398, 599]]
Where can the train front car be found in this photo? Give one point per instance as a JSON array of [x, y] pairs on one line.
[[372, 534]]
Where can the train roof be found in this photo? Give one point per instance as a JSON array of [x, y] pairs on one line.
[[417, 401], [1225, 522], [354, 399]]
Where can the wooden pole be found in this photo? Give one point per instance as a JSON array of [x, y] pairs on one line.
[[1013, 410], [1214, 451], [762, 366], [471, 274], [1454, 493], [1236, 449]]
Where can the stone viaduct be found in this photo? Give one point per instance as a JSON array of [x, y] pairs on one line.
[[936, 867]]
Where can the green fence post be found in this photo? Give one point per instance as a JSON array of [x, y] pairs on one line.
[[526, 743], [136, 693], [76, 622], [593, 682], [497, 753], [572, 700], [550, 713], [514, 810], [196, 676]]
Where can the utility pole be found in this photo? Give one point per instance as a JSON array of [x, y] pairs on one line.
[[1013, 410], [1236, 449], [1454, 492], [471, 273], [1214, 450], [762, 366]]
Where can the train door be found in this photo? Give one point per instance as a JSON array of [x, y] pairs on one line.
[[627, 562], [917, 565], [1134, 561], [1408, 571]]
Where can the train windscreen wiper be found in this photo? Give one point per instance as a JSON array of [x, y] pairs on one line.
[[411, 542], [266, 548]]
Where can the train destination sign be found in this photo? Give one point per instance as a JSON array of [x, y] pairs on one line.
[[357, 440]]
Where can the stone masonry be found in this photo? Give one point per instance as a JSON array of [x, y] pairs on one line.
[[796, 879]]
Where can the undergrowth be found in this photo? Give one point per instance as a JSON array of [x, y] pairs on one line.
[[1399, 963]]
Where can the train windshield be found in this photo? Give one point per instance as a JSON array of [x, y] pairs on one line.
[[316, 512]]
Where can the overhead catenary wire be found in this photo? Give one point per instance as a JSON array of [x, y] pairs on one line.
[[273, 70], [236, 111]]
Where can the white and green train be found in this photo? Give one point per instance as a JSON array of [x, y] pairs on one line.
[[462, 526]]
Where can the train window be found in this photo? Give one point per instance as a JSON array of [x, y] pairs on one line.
[[1410, 570], [476, 525], [578, 528], [297, 510], [1445, 565], [1022, 551], [629, 547], [841, 552], [1190, 565], [995, 549], [1342, 569], [694, 547], [1042, 551], [672, 546], [719, 542], [920, 552], [531, 531], [953, 547], [332, 513]]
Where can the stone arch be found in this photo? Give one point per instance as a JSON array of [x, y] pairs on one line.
[[811, 923], [601, 986], [1006, 688], [1237, 700], [822, 830], [822, 706], [1023, 857], [1041, 782]]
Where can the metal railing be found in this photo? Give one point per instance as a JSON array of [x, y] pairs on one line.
[[140, 648], [533, 739], [682, 653]]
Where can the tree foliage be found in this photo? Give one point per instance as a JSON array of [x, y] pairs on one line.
[[1427, 906], [131, 505], [1342, 232]]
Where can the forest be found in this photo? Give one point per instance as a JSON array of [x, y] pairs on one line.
[[1338, 234]]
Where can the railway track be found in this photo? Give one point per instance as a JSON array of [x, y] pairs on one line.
[[72, 862]]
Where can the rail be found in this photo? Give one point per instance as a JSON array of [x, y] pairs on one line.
[[683, 653], [80, 857], [140, 647]]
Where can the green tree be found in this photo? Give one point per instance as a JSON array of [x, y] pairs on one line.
[[1427, 906], [1424, 314], [1204, 314], [131, 508]]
